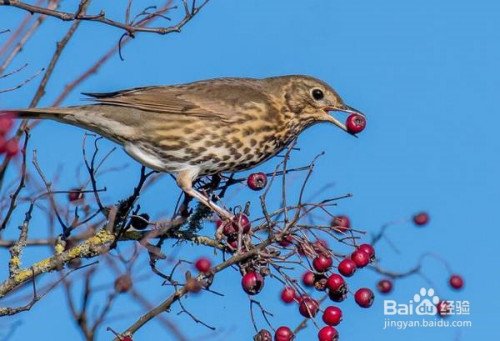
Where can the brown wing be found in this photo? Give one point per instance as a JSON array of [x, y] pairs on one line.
[[212, 99]]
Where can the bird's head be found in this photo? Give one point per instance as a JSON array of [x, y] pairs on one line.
[[311, 100]]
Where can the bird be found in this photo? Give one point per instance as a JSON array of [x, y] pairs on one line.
[[204, 127]]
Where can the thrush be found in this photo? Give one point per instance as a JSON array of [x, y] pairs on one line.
[[205, 127]]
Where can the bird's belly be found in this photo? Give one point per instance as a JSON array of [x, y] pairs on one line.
[[151, 158], [209, 158]]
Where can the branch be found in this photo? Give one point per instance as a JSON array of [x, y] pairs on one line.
[[130, 28]]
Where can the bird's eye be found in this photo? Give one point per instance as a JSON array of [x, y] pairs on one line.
[[317, 94]]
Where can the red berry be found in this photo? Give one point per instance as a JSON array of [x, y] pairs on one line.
[[328, 333], [336, 283], [443, 308], [321, 247], [364, 297], [355, 123], [252, 283], [242, 222], [322, 263], [367, 248], [6, 124], [347, 267], [361, 258], [288, 295], [233, 227], [332, 316], [286, 241], [456, 281], [126, 338], [421, 219], [384, 286], [308, 307], [123, 284], [263, 335], [75, 195], [203, 264], [139, 222], [308, 278], [10, 147], [341, 223], [283, 334], [257, 181]]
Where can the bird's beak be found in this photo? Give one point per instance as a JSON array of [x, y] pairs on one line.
[[342, 108]]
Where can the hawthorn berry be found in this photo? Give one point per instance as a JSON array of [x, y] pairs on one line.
[[341, 223], [321, 247], [75, 194], [384, 286], [283, 334], [421, 219], [328, 333], [10, 148], [322, 263], [252, 282], [308, 278], [257, 181], [203, 264], [332, 316], [347, 267], [367, 248], [355, 123], [456, 281], [364, 297], [286, 240], [361, 258], [336, 283], [140, 222], [308, 306], [263, 335], [288, 295], [241, 221], [123, 283], [6, 124]]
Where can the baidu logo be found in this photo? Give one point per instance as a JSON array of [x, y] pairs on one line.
[[423, 303]]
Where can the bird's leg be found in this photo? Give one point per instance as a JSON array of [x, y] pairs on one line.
[[185, 180]]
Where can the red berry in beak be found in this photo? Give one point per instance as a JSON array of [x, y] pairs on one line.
[[355, 123]]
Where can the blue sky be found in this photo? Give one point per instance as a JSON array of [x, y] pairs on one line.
[[425, 73]]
